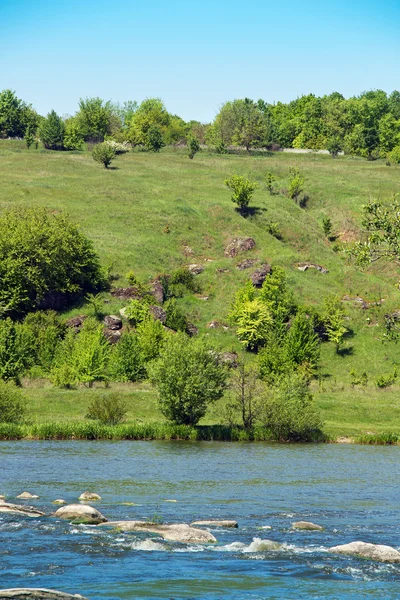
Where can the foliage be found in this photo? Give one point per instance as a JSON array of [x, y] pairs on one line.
[[394, 155], [47, 331], [148, 122], [358, 378], [127, 362], [104, 154], [96, 302], [108, 410], [52, 132], [270, 179], [296, 184], [16, 117], [384, 381], [327, 226], [73, 138], [17, 345], [118, 147], [154, 139], [43, 256], [95, 119], [188, 378], [334, 145], [152, 337], [334, 320], [302, 343], [253, 322], [176, 319], [247, 401], [183, 276], [290, 412], [276, 294], [12, 403], [137, 311], [193, 146], [242, 189], [29, 138]]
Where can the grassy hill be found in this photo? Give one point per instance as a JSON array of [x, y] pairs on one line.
[[145, 212]]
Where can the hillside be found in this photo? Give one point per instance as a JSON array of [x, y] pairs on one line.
[[149, 210]]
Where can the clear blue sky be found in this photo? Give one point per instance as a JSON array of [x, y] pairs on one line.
[[195, 55]]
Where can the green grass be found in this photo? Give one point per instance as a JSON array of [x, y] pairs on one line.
[[125, 211]]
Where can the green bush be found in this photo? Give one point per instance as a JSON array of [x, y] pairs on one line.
[[52, 131], [242, 189], [17, 349], [47, 331], [394, 155], [104, 154], [193, 146], [73, 139], [176, 319], [296, 185], [108, 409], [188, 378], [12, 404], [152, 337], [137, 311], [302, 343], [45, 261], [154, 139], [127, 359], [183, 276]]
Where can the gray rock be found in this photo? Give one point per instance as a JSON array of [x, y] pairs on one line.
[[216, 523], [305, 266], [26, 496], [191, 329], [158, 313], [214, 325], [59, 501], [38, 594], [86, 496], [76, 323], [372, 551], [80, 513], [112, 336], [196, 269], [27, 511], [260, 275], [178, 532], [307, 525], [112, 322], [239, 245], [158, 291], [229, 358], [247, 263]]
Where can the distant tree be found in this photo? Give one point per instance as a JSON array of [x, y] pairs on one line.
[[104, 154], [52, 131], [246, 400], [296, 184], [188, 378], [150, 115], [334, 321], [154, 139], [242, 191], [334, 145], [15, 115], [95, 118], [73, 138], [29, 138], [327, 226], [12, 404], [269, 179], [253, 319], [193, 146]]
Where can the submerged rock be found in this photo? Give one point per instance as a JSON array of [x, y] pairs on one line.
[[377, 552], [38, 593], [89, 496], [59, 501], [177, 532], [26, 496], [80, 513], [307, 525], [28, 511], [216, 523]]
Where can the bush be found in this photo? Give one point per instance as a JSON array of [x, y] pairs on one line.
[[52, 131], [394, 155], [188, 378], [47, 332], [12, 404], [104, 154], [108, 409], [182, 276], [118, 147], [302, 343], [127, 359], [17, 349], [154, 140], [242, 189], [137, 311], [269, 180], [253, 323], [176, 319], [296, 185], [290, 413], [73, 138], [327, 226], [151, 336], [193, 146], [44, 260]]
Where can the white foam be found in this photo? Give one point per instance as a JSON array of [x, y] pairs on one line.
[[148, 545]]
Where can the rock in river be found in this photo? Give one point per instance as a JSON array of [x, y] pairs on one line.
[[372, 551], [307, 525], [86, 496], [177, 532], [80, 513], [38, 594], [216, 523], [26, 496], [28, 511]]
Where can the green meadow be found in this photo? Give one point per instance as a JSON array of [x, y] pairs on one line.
[[151, 213]]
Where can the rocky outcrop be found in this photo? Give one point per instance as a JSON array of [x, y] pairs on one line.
[[76, 323], [112, 335], [305, 266], [307, 525], [80, 513], [112, 322], [196, 269], [87, 496], [247, 263], [129, 293], [27, 511], [27, 496], [230, 359], [191, 329], [216, 523], [260, 275], [158, 314], [178, 532], [158, 291], [38, 594], [239, 245], [371, 551]]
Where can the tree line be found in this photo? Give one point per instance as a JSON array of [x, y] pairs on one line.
[[366, 125]]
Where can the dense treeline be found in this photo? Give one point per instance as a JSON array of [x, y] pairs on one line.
[[367, 125]]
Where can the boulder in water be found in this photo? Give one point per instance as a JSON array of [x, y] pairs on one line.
[[307, 525], [86, 496], [59, 501], [177, 532], [216, 523], [80, 513], [38, 594], [26, 496], [27, 511], [377, 552]]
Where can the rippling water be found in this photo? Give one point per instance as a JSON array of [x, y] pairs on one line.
[[351, 490]]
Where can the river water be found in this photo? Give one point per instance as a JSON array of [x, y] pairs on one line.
[[352, 491]]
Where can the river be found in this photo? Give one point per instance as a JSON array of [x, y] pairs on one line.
[[352, 491]]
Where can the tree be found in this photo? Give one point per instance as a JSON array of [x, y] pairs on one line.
[[242, 189], [296, 184], [193, 146], [44, 260], [15, 115], [127, 359], [334, 145], [12, 404], [150, 115], [17, 350], [52, 131], [154, 139], [104, 154], [302, 343], [95, 119], [73, 138], [188, 378], [253, 321], [29, 138], [334, 321], [247, 396], [108, 410]]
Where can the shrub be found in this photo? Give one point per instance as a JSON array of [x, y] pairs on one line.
[[242, 189], [154, 139], [394, 155], [12, 404], [253, 323], [47, 331], [290, 413], [104, 154], [151, 335], [183, 276], [127, 359], [52, 131], [302, 343], [334, 145], [384, 381], [108, 409], [247, 397], [358, 378], [29, 138], [334, 318], [176, 319], [269, 179], [193, 146], [118, 147], [327, 226], [296, 185], [17, 349], [188, 378], [137, 311], [44, 260], [73, 138]]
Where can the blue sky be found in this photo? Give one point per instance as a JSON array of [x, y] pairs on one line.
[[195, 55]]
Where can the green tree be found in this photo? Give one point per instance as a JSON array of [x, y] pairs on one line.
[[150, 115], [246, 400], [334, 321], [52, 131], [17, 350], [302, 343], [127, 362], [29, 138], [108, 409], [12, 404], [104, 154], [15, 115], [242, 191], [188, 378], [253, 322], [73, 138], [95, 119], [193, 146], [44, 259], [296, 184], [154, 139]]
